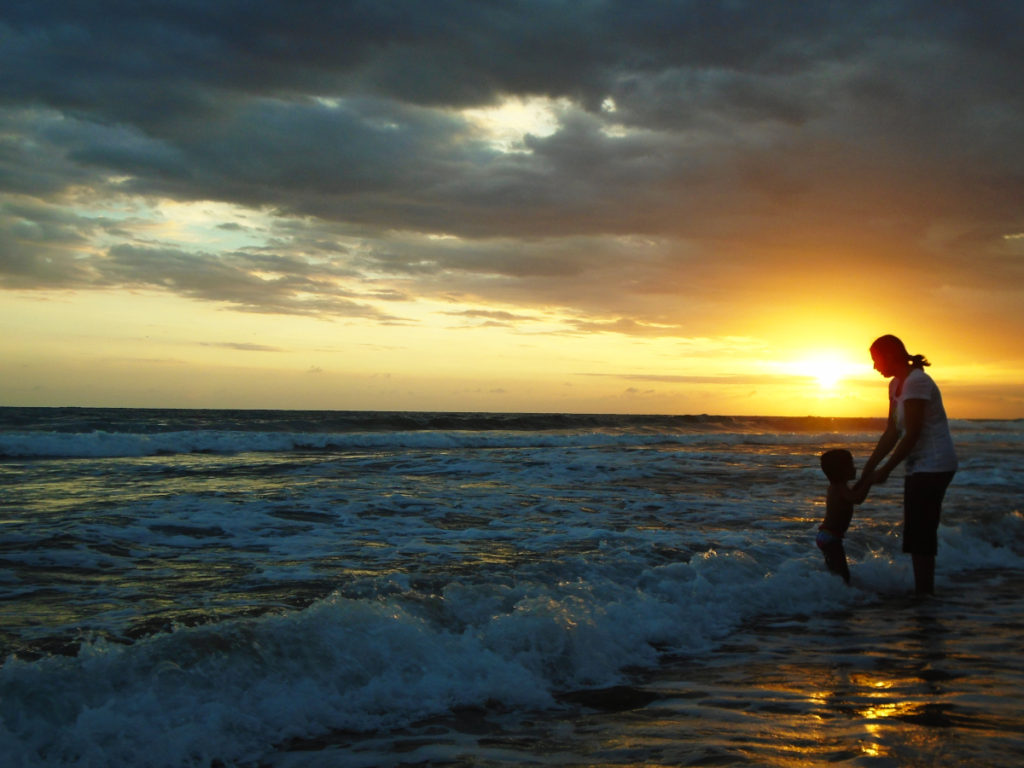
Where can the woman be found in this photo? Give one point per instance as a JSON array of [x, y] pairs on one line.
[[919, 432]]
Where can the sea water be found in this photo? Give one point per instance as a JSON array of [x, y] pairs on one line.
[[280, 588]]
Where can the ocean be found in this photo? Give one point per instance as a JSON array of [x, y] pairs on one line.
[[279, 589]]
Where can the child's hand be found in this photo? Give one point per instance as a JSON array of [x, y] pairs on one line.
[[880, 476]]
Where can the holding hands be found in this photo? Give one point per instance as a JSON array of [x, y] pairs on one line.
[[879, 476]]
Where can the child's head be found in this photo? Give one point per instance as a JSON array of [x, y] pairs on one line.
[[837, 465]]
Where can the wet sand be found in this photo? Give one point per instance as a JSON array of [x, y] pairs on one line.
[[903, 682]]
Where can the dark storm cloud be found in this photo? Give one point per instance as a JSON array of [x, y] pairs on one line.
[[882, 126], [440, 53]]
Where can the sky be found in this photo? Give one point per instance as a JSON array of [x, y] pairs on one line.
[[589, 206]]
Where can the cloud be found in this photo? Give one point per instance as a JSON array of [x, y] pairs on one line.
[[739, 380], [254, 283], [241, 346], [695, 152], [493, 315]]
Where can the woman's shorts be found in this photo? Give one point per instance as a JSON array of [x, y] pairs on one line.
[[923, 493]]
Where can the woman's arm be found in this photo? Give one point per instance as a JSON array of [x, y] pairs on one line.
[[888, 439], [913, 421]]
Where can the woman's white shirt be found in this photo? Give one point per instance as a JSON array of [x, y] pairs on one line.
[[934, 450]]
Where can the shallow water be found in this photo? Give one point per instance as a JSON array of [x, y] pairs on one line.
[[902, 682], [272, 588]]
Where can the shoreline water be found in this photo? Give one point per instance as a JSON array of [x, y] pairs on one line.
[[189, 589], [903, 681]]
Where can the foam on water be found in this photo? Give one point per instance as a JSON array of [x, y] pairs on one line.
[[209, 606], [236, 688], [233, 690], [101, 444]]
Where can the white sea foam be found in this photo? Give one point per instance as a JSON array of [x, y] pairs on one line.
[[100, 443], [236, 689], [209, 606], [239, 687]]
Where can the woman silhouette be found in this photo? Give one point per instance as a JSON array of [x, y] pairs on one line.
[[918, 430]]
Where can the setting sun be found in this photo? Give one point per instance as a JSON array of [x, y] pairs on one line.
[[827, 369]]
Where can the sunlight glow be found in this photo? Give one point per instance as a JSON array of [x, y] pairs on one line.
[[507, 123], [828, 369]]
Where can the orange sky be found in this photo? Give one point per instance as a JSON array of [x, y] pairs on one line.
[[567, 211]]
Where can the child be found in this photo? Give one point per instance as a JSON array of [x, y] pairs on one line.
[[839, 469]]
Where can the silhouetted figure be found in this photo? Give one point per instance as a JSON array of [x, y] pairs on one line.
[[838, 467], [918, 433]]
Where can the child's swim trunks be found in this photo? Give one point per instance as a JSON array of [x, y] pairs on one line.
[[835, 555]]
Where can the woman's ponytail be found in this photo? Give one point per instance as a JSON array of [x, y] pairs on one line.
[[893, 348]]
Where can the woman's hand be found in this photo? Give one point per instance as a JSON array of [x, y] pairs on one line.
[[913, 419]]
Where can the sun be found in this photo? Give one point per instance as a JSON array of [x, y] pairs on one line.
[[829, 370], [829, 373]]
